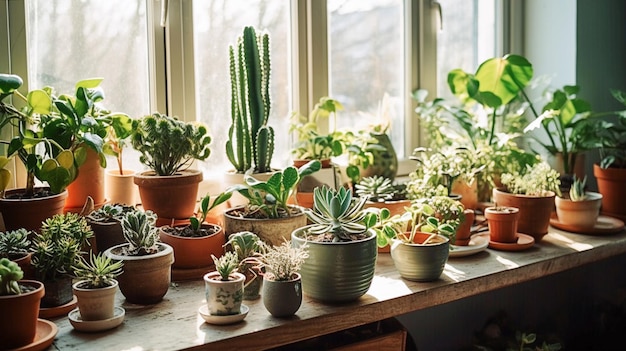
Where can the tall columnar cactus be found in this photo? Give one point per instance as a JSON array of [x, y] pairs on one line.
[[251, 140]]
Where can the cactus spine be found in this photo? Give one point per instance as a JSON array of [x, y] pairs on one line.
[[251, 140]]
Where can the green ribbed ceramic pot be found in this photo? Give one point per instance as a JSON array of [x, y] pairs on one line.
[[421, 263], [337, 272]]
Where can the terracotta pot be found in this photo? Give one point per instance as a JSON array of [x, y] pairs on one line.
[[223, 297], [121, 188], [145, 279], [299, 163], [468, 193], [579, 214], [423, 262], [273, 231], [612, 186], [29, 213], [20, 312], [282, 298], [195, 252], [106, 234], [170, 197], [89, 182], [395, 208], [58, 291], [534, 211], [503, 223], [464, 231], [95, 304], [24, 261]]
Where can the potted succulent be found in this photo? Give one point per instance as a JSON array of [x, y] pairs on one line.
[[342, 251], [420, 241], [224, 286], [96, 286], [532, 192], [381, 192], [119, 185], [55, 252], [31, 205], [147, 262], [19, 303], [15, 245], [282, 282], [245, 245], [194, 243], [268, 213], [168, 146], [581, 209], [106, 223]]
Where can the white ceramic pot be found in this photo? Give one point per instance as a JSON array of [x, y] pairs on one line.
[[223, 297]]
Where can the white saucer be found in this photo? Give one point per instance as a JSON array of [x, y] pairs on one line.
[[477, 244], [228, 319], [96, 326]]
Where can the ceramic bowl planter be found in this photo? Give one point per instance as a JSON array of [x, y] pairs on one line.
[[146, 278], [503, 223], [337, 272], [95, 304], [29, 213], [20, 315], [534, 211], [272, 231], [421, 262], [612, 186], [223, 297], [580, 214], [282, 298]]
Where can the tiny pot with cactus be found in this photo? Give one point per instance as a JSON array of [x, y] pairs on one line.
[[224, 286], [342, 249], [579, 210], [96, 286], [147, 262]]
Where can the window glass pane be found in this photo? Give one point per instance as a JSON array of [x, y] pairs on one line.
[[72, 40], [366, 54], [217, 24], [468, 38]]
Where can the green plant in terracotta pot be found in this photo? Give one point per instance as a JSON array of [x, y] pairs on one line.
[[120, 187], [580, 210], [532, 192], [168, 146], [15, 245]]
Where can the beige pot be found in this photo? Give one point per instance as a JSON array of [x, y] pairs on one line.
[[120, 188], [273, 231], [95, 304], [579, 214], [223, 297]]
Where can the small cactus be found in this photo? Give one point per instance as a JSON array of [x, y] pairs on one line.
[[140, 232], [577, 191]]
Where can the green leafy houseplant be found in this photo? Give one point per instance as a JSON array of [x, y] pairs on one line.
[[251, 140], [612, 136], [109, 213], [537, 180], [10, 273], [381, 189], [98, 272], [167, 144], [14, 243], [311, 144], [245, 245], [117, 138]]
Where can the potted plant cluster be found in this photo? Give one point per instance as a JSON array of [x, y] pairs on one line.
[[267, 212], [55, 252], [224, 289], [532, 192], [282, 282], [19, 302], [246, 245], [337, 233], [168, 146], [579, 210], [147, 262], [106, 223]]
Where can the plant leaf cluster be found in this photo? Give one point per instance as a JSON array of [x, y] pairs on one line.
[[99, 271], [10, 273], [226, 264], [311, 144], [337, 213], [281, 262], [537, 180], [140, 232], [15, 242]]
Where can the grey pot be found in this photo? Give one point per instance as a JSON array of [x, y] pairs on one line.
[[337, 272], [282, 298], [420, 263]]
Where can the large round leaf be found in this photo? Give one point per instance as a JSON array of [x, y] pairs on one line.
[[39, 101], [503, 77]]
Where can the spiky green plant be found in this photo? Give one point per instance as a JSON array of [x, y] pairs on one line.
[[99, 271], [226, 264], [140, 232], [167, 144], [109, 213], [337, 213], [250, 142], [375, 188], [577, 191], [10, 273], [280, 262], [244, 244], [14, 242]]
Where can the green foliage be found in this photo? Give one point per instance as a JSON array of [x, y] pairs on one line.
[[109, 213], [58, 247], [270, 197], [361, 146], [167, 144], [226, 264], [380, 189], [205, 208], [117, 138], [10, 273], [99, 271], [14, 242], [337, 213], [244, 244], [280, 262], [537, 180], [251, 140], [577, 191], [612, 136], [312, 145], [140, 232]]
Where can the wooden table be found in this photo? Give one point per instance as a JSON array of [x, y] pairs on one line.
[[174, 324]]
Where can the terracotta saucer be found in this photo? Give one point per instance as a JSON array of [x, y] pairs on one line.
[[52, 312], [523, 242], [477, 244], [46, 331], [604, 225]]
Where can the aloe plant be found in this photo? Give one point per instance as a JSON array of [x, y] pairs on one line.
[[99, 271], [140, 232], [251, 140], [335, 212], [577, 191]]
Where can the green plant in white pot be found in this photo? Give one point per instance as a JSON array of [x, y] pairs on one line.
[[581, 210], [224, 287], [342, 250]]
